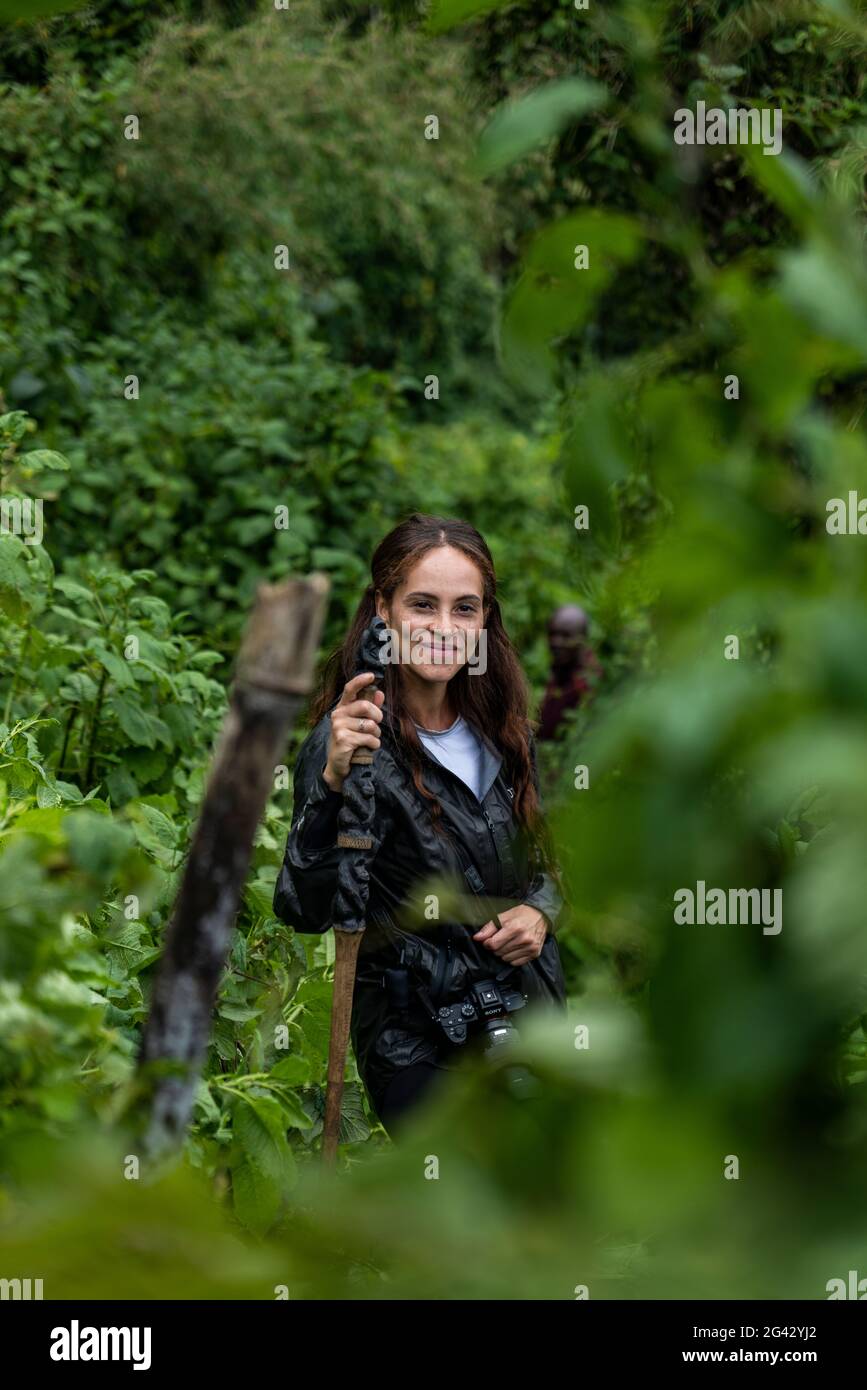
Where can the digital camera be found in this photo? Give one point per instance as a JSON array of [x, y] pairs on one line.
[[485, 1006]]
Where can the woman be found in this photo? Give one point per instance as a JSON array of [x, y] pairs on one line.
[[456, 799]]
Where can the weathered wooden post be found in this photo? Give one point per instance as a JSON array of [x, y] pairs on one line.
[[274, 673]]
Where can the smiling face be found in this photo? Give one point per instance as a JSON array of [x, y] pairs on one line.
[[439, 605]]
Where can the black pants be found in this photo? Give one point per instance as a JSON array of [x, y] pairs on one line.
[[406, 1089]]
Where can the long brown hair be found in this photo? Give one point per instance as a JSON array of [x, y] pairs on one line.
[[495, 703]]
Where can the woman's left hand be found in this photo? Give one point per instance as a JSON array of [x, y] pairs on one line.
[[520, 937]]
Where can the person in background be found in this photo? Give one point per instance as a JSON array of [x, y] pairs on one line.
[[575, 669]]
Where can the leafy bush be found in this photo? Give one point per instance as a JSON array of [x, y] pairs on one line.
[[87, 881]]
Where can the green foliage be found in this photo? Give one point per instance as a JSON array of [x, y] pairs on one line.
[[333, 188], [280, 135], [41, 32], [521, 126], [96, 807], [805, 58], [257, 388], [35, 9], [262, 390]]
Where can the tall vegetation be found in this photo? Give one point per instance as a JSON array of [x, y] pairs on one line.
[[698, 388]]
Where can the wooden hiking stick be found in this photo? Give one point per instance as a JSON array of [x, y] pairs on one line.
[[355, 838], [274, 673]]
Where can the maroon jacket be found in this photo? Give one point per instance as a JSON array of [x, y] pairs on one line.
[[559, 698]]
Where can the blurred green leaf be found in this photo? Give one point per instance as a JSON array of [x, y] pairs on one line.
[[445, 14], [518, 127]]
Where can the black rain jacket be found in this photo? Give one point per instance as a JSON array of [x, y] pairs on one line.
[[495, 869]]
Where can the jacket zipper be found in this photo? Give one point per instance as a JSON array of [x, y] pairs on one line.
[[496, 851], [441, 767]]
